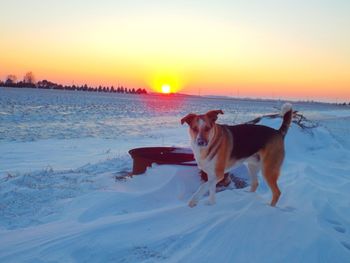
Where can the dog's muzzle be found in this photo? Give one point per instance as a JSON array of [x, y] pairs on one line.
[[201, 142]]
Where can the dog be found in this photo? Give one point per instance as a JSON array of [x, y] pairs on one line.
[[218, 148]]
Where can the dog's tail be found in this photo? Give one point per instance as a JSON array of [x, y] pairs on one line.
[[287, 113]]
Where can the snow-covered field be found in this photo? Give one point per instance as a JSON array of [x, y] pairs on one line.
[[60, 201]]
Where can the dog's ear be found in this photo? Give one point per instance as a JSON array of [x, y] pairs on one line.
[[213, 114], [188, 118]]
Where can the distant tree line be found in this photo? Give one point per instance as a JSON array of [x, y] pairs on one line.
[[342, 104], [29, 82]]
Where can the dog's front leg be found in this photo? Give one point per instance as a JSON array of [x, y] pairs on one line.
[[212, 191], [200, 192], [213, 179]]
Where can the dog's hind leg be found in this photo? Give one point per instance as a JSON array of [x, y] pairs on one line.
[[271, 179], [254, 168], [273, 157]]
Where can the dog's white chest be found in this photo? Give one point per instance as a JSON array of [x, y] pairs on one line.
[[204, 164]]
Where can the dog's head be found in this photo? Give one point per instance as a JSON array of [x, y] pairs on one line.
[[201, 126]]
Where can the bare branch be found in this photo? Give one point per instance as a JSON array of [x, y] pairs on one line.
[[298, 119]]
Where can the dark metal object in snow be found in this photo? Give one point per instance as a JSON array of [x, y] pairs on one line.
[[144, 157]]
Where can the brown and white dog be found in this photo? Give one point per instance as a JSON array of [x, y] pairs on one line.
[[218, 148]]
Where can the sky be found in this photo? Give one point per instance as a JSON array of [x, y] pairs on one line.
[[261, 49]]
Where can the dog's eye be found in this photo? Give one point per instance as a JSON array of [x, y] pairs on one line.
[[206, 129]]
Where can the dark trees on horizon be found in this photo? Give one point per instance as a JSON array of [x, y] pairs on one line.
[[29, 82]]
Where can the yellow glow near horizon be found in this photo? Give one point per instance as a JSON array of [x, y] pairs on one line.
[[210, 49]]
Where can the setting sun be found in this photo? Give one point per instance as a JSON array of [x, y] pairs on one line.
[[166, 82], [166, 89]]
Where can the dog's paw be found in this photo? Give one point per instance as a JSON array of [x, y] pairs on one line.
[[192, 203]]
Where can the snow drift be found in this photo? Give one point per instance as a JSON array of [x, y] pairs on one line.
[[87, 215]]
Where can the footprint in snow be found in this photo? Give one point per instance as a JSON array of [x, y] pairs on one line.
[[346, 245], [337, 226], [340, 229], [333, 222]]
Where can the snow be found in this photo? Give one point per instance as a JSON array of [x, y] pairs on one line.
[[63, 197]]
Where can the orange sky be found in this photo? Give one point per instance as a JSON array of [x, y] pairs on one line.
[[271, 50]]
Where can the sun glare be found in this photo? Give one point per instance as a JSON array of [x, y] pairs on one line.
[[166, 88], [165, 83]]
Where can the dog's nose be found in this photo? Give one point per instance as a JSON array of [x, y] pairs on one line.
[[201, 142]]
